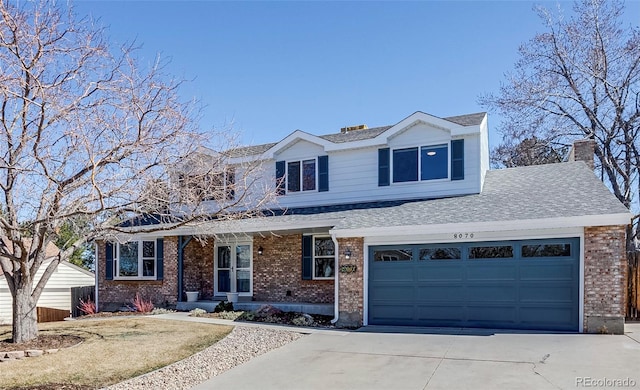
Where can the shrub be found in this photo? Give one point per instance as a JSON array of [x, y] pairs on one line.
[[223, 306], [87, 307], [142, 306], [230, 315], [197, 312], [160, 310]]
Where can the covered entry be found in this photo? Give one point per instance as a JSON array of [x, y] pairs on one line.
[[526, 284]]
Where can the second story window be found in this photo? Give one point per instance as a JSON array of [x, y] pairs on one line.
[[424, 163], [301, 175], [211, 186]]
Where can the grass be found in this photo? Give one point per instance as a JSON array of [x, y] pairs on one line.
[[113, 350]]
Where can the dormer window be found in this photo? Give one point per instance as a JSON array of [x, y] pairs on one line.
[[432, 162]]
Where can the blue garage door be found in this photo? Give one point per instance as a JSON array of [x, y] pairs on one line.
[[529, 284]]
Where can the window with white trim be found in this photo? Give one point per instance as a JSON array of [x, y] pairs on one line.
[[323, 258], [135, 260], [420, 163], [302, 175]]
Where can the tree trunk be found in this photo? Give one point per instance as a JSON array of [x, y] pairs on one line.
[[25, 316]]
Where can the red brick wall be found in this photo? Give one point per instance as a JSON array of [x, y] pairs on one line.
[[351, 285], [279, 269], [113, 294], [605, 277], [198, 267]]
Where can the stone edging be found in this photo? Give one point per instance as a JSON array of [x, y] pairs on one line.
[[16, 355]]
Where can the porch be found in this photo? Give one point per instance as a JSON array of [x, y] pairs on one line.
[[248, 305]]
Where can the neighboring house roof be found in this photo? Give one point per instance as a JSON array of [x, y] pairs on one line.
[[355, 135], [559, 194], [50, 250]]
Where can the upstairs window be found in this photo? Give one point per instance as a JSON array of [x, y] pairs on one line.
[[432, 162], [212, 186], [301, 175]]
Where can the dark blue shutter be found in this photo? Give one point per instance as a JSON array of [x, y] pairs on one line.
[[108, 252], [160, 258], [323, 173], [307, 257], [383, 167], [457, 159], [280, 168]]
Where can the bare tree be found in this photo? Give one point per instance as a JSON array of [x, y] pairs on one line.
[[87, 133], [529, 151], [579, 79]]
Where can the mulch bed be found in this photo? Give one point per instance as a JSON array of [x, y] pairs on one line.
[[41, 342], [286, 318]]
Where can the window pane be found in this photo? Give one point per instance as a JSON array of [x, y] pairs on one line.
[[393, 255], [293, 178], [128, 263], [309, 175], [546, 250], [231, 184], [148, 267], [324, 247], [324, 268], [434, 162], [491, 252], [243, 256], [243, 282], [440, 254], [224, 257], [405, 165], [148, 249]]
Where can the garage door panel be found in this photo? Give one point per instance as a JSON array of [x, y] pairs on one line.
[[438, 273], [440, 293], [450, 313], [390, 274], [491, 313], [548, 270], [547, 293], [536, 288], [492, 293], [560, 317], [393, 292], [482, 270]]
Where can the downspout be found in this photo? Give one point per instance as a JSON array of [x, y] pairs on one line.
[[95, 274], [336, 303]]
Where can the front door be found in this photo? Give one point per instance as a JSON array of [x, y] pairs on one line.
[[233, 269]]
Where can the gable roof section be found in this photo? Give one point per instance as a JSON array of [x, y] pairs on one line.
[[467, 120]]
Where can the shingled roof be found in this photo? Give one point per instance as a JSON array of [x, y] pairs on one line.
[[356, 135], [537, 192]]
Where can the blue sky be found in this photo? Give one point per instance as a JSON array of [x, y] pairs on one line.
[[269, 68]]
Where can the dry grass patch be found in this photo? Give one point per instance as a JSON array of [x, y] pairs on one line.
[[113, 350]]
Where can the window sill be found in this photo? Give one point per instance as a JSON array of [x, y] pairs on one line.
[[137, 279], [331, 278]]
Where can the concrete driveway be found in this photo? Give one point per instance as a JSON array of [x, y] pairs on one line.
[[383, 358]]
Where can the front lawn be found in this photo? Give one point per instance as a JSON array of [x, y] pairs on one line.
[[112, 350]]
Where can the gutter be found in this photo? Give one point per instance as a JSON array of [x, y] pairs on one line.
[[336, 303]]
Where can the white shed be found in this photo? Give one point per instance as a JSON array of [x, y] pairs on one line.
[[57, 292]]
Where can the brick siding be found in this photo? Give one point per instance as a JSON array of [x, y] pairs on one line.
[[605, 278], [351, 285], [279, 270], [198, 267], [114, 294]]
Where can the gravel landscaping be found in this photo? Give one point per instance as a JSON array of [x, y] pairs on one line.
[[242, 344]]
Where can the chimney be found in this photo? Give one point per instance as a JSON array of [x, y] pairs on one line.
[[583, 150], [345, 130]]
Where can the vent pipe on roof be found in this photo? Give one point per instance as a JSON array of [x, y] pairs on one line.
[[347, 129]]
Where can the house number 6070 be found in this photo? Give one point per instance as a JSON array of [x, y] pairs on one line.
[[462, 236]]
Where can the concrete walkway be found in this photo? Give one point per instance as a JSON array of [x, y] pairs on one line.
[[391, 358]]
